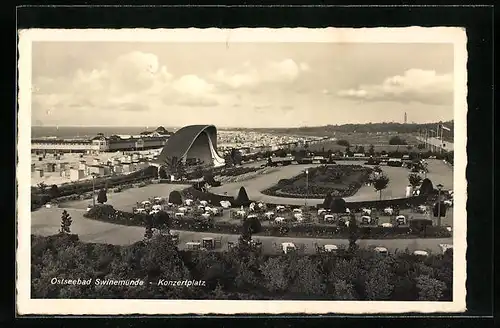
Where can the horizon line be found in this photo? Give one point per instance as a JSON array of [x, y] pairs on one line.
[[235, 127]]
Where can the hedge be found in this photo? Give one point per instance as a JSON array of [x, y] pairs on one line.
[[108, 214]]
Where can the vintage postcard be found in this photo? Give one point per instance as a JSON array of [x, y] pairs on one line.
[[243, 171]]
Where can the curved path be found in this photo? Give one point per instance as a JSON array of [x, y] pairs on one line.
[[439, 172], [47, 221]]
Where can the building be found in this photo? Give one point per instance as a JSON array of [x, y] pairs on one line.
[[76, 174], [38, 173], [50, 167], [96, 169], [117, 169], [117, 143], [100, 143], [60, 145], [193, 143]]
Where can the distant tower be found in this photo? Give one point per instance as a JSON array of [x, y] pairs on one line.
[[406, 118]]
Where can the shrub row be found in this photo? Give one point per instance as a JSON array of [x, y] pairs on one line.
[[108, 214], [401, 203], [232, 172], [74, 190]]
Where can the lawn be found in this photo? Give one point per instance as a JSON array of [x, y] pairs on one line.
[[127, 199]]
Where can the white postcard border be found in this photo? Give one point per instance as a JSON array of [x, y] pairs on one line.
[[26, 305]]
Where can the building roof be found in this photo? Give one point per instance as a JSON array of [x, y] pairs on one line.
[[179, 143]]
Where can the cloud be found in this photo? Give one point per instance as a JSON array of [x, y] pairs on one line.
[[135, 82], [193, 85], [415, 85], [198, 102], [251, 76]]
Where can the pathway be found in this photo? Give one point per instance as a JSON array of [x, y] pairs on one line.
[[439, 172], [47, 221]]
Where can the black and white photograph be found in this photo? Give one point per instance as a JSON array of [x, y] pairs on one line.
[[197, 171]]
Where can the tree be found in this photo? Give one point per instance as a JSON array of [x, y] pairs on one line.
[[305, 278], [380, 183], [421, 146], [54, 191], [343, 142], [42, 186], [208, 177], [397, 140], [148, 228], [371, 150], [162, 173], [161, 221], [252, 225], [242, 198], [430, 289], [414, 180], [175, 166], [102, 197], [353, 234], [228, 160], [269, 161], [236, 156], [275, 274], [328, 200], [426, 188], [378, 284], [440, 206], [175, 197], [343, 291], [361, 149], [65, 223]]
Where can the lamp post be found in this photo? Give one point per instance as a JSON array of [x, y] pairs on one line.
[[93, 189], [439, 187], [307, 188]]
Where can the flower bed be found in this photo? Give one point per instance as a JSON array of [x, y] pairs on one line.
[[339, 180], [108, 214]]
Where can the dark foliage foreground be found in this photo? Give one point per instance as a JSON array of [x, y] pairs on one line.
[[238, 274]]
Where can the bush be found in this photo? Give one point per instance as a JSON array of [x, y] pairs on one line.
[[338, 205], [242, 198], [252, 224], [426, 188], [102, 197], [343, 143], [175, 197], [396, 140], [100, 211]]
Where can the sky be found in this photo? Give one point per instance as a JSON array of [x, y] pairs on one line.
[[239, 84]]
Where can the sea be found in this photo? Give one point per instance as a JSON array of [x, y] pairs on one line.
[[85, 132]]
